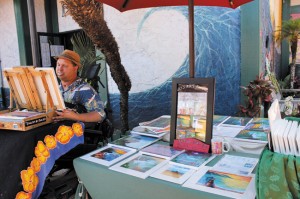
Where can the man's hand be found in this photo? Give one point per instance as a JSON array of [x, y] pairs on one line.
[[65, 114]]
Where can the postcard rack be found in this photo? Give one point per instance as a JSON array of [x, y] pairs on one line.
[[33, 89]]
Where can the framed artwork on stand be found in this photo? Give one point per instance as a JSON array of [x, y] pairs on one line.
[[192, 108]]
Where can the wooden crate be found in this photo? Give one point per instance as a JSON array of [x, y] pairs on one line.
[[34, 98]]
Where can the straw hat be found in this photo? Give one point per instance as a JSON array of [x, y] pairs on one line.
[[70, 55]]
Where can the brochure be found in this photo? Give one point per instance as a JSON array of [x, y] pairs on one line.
[[139, 165], [236, 165], [173, 173], [192, 159], [252, 136], [135, 141], [162, 150], [108, 155], [219, 119], [161, 122], [221, 183], [237, 121]]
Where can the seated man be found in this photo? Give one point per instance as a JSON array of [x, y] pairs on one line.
[[76, 92]]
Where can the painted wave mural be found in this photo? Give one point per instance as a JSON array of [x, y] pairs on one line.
[[217, 46]]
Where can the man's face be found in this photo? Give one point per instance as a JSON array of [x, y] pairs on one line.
[[65, 70]]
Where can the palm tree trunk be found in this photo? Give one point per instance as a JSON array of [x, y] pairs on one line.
[[89, 15], [294, 45]]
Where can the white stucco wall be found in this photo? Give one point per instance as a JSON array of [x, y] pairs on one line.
[[9, 49], [40, 17], [65, 23]]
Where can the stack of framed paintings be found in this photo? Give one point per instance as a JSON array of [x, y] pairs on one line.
[[160, 149], [134, 141]]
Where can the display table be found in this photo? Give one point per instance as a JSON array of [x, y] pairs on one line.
[[17, 151], [102, 182]]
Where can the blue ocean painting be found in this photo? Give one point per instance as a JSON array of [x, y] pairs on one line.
[[191, 158], [225, 181], [142, 163], [110, 154], [175, 171]]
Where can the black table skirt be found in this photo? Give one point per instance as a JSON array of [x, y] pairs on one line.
[[16, 153]]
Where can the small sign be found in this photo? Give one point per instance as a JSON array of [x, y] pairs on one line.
[[191, 144], [35, 121]]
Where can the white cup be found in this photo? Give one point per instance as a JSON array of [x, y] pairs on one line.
[[219, 146]]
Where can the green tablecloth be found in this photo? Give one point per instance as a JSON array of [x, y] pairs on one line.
[[103, 183], [278, 176]]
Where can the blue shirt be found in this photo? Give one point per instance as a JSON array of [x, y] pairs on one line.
[[80, 92]]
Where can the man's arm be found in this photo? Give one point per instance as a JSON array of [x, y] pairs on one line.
[[83, 117]]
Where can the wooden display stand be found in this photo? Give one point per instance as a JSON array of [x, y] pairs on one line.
[[33, 89]]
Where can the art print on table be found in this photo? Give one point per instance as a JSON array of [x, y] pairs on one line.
[[192, 108], [135, 141], [173, 173], [253, 136], [220, 183], [159, 123], [161, 150], [219, 119], [139, 165], [192, 159], [139, 130], [109, 155], [237, 121], [258, 127]]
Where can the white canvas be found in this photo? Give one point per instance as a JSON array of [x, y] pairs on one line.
[[193, 183], [173, 173], [109, 155], [292, 138], [139, 165], [284, 136]]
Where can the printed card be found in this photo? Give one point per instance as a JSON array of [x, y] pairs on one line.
[[139, 165], [108, 155], [173, 173], [221, 183]]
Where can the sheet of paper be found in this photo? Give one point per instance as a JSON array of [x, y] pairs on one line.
[[236, 164], [226, 131]]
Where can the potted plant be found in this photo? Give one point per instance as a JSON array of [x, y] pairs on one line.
[[258, 94]]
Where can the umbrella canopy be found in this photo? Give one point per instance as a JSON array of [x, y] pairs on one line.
[[124, 5]]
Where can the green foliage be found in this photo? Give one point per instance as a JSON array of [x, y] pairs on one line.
[[84, 46], [290, 30], [285, 83], [257, 92]]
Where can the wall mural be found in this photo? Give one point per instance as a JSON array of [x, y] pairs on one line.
[[154, 48]]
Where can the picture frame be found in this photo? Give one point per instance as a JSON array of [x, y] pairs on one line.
[[109, 155], [139, 165], [192, 108], [173, 173], [216, 182]]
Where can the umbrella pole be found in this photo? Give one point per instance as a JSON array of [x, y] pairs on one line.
[[191, 39]]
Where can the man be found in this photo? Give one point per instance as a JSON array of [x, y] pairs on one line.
[[76, 92]]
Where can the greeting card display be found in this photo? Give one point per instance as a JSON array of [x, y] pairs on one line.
[[192, 108]]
